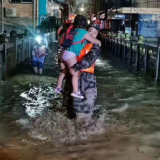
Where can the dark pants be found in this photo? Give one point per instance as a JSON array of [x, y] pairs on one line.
[[88, 88]]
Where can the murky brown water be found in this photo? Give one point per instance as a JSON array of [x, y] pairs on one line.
[[128, 126]]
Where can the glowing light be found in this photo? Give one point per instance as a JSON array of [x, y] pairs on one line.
[[39, 39], [82, 9]]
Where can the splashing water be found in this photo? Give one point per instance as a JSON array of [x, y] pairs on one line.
[[58, 128], [55, 126]]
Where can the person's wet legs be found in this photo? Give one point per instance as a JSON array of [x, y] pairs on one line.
[[40, 71], [35, 70]]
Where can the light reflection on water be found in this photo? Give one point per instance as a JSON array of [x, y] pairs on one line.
[[127, 126]]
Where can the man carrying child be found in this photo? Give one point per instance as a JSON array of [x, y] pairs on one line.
[[76, 107]]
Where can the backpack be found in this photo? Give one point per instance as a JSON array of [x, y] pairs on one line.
[[61, 39], [67, 38]]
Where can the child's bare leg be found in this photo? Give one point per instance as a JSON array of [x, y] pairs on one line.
[[60, 79], [75, 82], [62, 65], [71, 62], [75, 92], [35, 70]]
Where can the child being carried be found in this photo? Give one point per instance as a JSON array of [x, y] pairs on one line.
[[70, 55]]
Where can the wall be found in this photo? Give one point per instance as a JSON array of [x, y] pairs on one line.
[[23, 10], [23, 17], [147, 3], [135, 3]]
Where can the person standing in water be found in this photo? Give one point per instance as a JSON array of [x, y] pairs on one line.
[[39, 51], [83, 108]]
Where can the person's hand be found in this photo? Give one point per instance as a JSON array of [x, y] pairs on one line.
[[71, 70]]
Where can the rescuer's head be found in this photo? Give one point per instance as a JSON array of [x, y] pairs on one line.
[[94, 25]]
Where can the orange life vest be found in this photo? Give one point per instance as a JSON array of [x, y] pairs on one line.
[[83, 52]]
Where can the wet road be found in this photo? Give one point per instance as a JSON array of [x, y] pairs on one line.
[[127, 127]]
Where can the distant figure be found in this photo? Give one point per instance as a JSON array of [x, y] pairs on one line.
[[6, 36], [5, 33], [25, 33], [13, 36], [39, 51]]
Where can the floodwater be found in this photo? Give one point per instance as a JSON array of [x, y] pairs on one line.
[[34, 126]]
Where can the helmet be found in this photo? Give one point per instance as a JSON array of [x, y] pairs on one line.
[[95, 25]]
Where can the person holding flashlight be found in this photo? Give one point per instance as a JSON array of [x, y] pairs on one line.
[[39, 51]]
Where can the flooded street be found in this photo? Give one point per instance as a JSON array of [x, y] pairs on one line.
[[127, 127]]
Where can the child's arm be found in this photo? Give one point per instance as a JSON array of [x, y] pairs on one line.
[[91, 39], [88, 59]]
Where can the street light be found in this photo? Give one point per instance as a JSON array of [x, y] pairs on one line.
[[81, 9]]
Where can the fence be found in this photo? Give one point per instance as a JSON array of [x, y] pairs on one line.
[[15, 53], [12, 54], [140, 56]]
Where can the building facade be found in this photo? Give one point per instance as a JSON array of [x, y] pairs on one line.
[[17, 14], [99, 5], [18, 8], [146, 3]]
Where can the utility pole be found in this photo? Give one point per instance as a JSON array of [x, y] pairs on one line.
[[34, 14], [37, 13], [2, 26]]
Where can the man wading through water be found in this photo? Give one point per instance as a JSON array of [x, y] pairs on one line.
[[83, 108]]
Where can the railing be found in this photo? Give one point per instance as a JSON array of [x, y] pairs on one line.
[[140, 56], [13, 54]]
